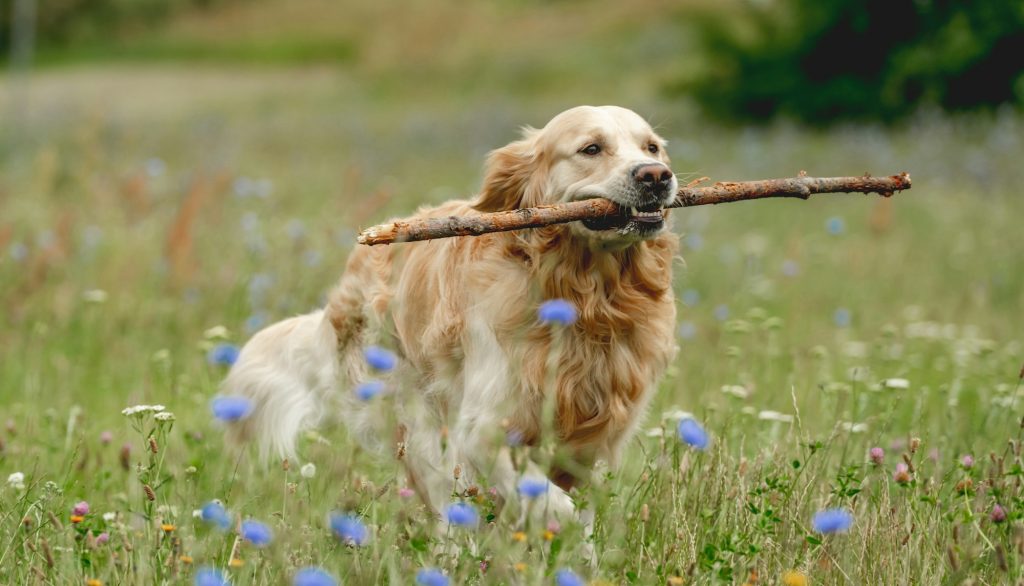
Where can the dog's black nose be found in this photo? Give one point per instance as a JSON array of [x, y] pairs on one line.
[[655, 177]]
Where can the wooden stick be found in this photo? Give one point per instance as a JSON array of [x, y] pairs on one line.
[[723, 192]]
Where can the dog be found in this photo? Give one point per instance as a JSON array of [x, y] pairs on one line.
[[479, 373]]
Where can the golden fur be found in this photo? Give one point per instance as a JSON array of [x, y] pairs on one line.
[[462, 313]]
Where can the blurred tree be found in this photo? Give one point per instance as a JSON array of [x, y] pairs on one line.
[[826, 60]]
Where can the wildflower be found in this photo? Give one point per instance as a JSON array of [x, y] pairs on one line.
[[141, 410], [842, 317], [349, 529], [93, 582], [369, 389], [902, 473], [519, 567], [691, 297], [687, 330], [218, 332], [519, 536], [236, 562], [109, 517], [998, 515], [223, 355], [548, 535], [214, 513], [721, 312], [533, 488], [185, 559], [308, 470], [106, 437], [775, 416], [231, 408], [102, 538], [554, 526], [462, 514], [81, 508], [164, 416], [16, 480], [876, 455], [314, 577], [566, 577], [96, 296], [693, 434], [896, 383], [167, 527], [832, 521], [835, 225], [380, 358], [794, 578], [77, 519], [557, 311], [967, 461], [256, 533], [406, 492], [211, 577], [431, 577]]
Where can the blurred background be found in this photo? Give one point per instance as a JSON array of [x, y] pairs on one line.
[[172, 165]]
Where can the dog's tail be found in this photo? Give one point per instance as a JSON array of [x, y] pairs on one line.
[[300, 372]]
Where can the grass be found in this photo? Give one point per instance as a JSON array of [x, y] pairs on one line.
[[141, 207]]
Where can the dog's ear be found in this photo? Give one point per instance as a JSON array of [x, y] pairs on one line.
[[508, 174]]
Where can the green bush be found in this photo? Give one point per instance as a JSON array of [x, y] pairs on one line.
[[827, 60]]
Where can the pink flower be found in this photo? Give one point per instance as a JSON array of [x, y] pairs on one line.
[[406, 492], [902, 473], [967, 461], [998, 514], [80, 509], [877, 455], [102, 538], [106, 437], [553, 526]]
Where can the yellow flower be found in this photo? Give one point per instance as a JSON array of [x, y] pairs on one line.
[[77, 518], [519, 536], [93, 582], [548, 535], [794, 578], [167, 527], [236, 563], [186, 559], [520, 567], [675, 580]]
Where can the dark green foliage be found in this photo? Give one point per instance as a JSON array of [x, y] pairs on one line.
[[826, 60]]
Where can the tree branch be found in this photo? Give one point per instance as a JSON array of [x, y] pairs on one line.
[[723, 192]]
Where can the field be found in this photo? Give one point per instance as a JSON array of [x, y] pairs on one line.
[[149, 213]]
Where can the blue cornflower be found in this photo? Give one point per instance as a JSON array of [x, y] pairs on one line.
[[687, 330], [462, 514], [842, 317], [533, 488], [349, 529], [222, 355], [312, 576], [256, 533], [369, 389], [835, 225], [380, 358], [693, 434], [721, 312], [558, 311], [691, 297], [215, 513], [431, 577], [210, 577], [832, 521], [231, 408], [568, 578]]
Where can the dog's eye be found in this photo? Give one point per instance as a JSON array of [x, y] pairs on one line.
[[652, 148], [591, 149]]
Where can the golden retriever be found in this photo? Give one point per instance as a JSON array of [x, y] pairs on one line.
[[476, 364]]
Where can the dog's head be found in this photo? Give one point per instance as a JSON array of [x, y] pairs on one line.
[[583, 153]]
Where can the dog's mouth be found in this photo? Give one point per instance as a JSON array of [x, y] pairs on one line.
[[631, 220]]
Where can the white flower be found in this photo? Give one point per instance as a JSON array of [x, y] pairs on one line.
[[109, 517], [775, 416], [197, 514], [94, 296], [308, 470], [216, 333], [853, 427], [656, 432], [736, 391], [896, 383], [676, 415], [164, 416], [141, 409], [16, 481]]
